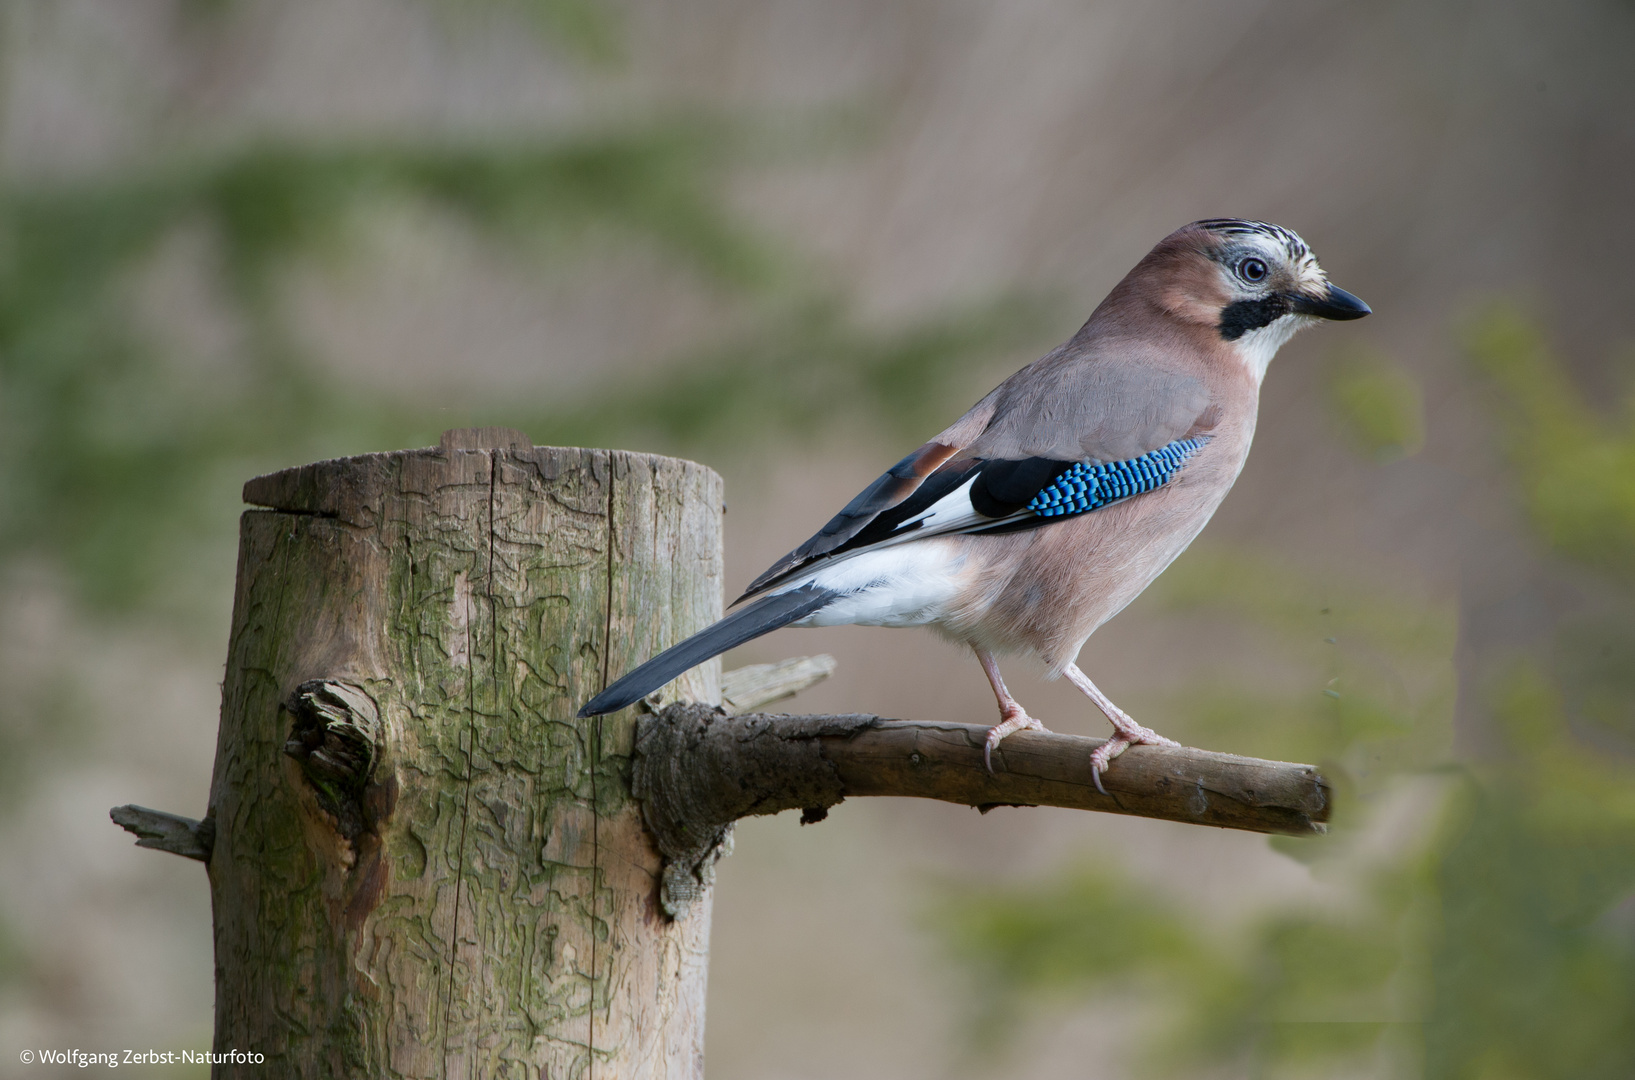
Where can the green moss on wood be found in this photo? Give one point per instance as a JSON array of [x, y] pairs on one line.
[[502, 915]]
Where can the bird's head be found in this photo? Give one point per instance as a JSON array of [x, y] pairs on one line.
[[1251, 283]]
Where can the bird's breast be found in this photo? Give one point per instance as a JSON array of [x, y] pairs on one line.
[[1047, 589]]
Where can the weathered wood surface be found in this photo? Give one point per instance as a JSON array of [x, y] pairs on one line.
[[424, 865], [161, 831], [698, 770], [750, 687]]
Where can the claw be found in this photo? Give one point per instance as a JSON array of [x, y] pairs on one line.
[[1103, 755], [1012, 717], [1126, 737], [1126, 732], [1011, 722]]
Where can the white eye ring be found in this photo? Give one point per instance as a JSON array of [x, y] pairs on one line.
[[1252, 270]]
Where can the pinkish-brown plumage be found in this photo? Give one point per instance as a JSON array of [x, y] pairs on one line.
[[1161, 385]]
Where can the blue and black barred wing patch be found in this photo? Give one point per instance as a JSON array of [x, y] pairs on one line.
[[1026, 494], [1090, 486]]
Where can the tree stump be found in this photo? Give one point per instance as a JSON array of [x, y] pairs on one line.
[[423, 864]]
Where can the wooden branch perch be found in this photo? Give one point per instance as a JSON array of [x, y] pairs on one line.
[[698, 770]]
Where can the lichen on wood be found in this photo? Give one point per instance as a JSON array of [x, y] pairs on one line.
[[460, 885]]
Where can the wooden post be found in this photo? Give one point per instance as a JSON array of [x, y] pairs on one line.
[[423, 864]]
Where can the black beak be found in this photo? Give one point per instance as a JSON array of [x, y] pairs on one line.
[[1338, 305]]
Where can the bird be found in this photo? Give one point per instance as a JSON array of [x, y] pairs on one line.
[[1049, 506]]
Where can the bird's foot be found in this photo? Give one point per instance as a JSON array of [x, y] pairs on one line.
[[1009, 723], [1126, 733]]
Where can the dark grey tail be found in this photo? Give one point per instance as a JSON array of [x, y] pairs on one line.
[[762, 617]]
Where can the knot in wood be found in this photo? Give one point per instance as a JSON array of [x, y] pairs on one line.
[[335, 735], [697, 770]]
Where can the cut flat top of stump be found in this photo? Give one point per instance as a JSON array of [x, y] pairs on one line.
[[314, 488], [350, 488]]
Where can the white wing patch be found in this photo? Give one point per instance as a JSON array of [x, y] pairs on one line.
[[950, 513], [953, 513]]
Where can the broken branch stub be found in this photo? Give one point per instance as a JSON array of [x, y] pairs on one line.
[[751, 687], [698, 770], [167, 832]]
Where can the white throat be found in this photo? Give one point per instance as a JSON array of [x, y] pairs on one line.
[[1257, 347]]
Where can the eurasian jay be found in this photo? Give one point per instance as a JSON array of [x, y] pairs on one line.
[[1045, 509]]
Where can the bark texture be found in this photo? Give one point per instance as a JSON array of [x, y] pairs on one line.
[[698, 770], [423, 864]]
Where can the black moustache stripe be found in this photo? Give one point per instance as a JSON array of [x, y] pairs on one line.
[[1242, 316]]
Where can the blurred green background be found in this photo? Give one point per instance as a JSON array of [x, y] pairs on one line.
[[791, 240]]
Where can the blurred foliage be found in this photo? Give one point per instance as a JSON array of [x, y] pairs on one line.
[[587, 28], [1481, 949], [1593, 664], [1576, 468], [1529, 976], [1489, 927], [1378, 405], [110, 450], [806, 369], [112, 454], [1577, 475], [1358, 679], [1300, 995]]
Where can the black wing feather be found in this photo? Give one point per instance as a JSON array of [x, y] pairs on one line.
[[901, 481], [1004, 487]]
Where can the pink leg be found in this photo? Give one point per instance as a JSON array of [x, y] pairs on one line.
[[1012, 717], [1126, 732]]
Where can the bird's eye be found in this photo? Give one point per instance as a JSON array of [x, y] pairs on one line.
[[1252, 270]]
